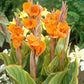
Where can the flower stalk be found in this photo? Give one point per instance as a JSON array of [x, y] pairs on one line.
[[52, 42], [37, 33], [64, 50], [18, 53], [32, 65]]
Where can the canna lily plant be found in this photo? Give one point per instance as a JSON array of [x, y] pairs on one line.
[[38, 59]]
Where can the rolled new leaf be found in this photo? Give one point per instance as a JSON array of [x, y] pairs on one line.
[[59, 46]]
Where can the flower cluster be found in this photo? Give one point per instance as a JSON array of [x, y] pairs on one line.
[[29, 23], [16, 35], [54, 26], [33, 12]]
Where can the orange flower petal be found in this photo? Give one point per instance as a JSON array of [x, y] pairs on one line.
[[16, 43], [29, 23], [48, 16], [18, 30], [32, 41], [27, 7], [62, 35], [39, 49], [50, 29], [63, 29], [35, 11], [17, 40], [11, 27]]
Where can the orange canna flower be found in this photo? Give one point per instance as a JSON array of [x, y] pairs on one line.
[[32, 41], [17, 42], [32, 10], [54, 27], [63, 26], [17, 39], [35, 44], [18, 30], [50, 28], [16, 35], [35, 11], [15, 29], [63, 29], [50, 19], [30, 23]]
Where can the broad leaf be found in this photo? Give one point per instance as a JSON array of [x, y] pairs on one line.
[[51, 67], [3, 27], [49, 78], [38, 81], [19, 75], [5, 32], [3, 19], [13, 54], [55, 78], [59, 46], [5, 58], [47, 52], [25, 52], [71, 76]]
